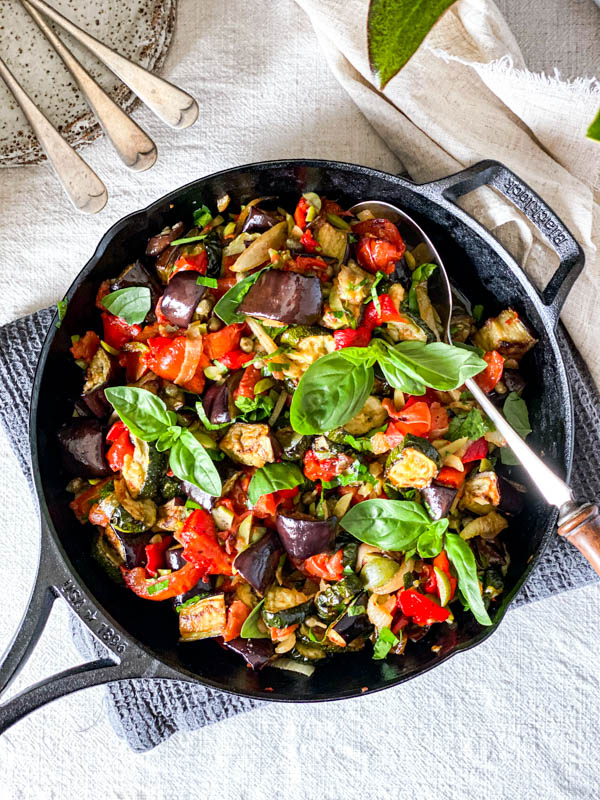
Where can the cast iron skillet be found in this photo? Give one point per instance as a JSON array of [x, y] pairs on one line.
[[141, 637]]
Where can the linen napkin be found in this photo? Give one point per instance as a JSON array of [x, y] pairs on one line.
[[466, 95]]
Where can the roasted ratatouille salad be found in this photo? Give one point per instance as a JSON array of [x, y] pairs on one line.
[[272, 437]]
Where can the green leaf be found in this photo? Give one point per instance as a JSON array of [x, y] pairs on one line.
[[393, 370], [226, 308], [250, 629], [593, 132], [202, 216], [420, 275], [515, 411], [144, 413], [388, 524], [385, 641], [441, 366], [205, 420], [202, 280], [362, 444], [477, 313], [471, 424], [331, 392], [191, 462], [272, 478], [61, 307], [395, 30], [167, 439], [255, 408], [131, 304], [189, 239], [431, 541], [374, 295], [462, 558]]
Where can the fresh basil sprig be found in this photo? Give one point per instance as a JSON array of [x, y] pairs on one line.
[[431, 541], [441, 366], [462, 558], [515, 411], [273, 478], [250, 629], [226, 308], [131, 304], [148, 418], [388, 524]]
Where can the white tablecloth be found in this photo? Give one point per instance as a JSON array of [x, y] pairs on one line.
[[516, 717]]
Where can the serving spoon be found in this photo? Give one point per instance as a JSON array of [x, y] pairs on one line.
[[580, 524]]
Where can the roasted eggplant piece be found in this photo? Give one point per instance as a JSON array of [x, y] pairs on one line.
[[256, 652], [350, 627], [506, 333], [258, 220], [293, 445], [130, 546], [158, 244], [251, 444], [196, 494], [513, 380], [217, 403], [82, 447], [413, 464], [181, 298], [287, 297], [487, 491], [257, 563], [101, 371], [203, 620], [303, 536], [136, 274], [439, 499], [174, 560]]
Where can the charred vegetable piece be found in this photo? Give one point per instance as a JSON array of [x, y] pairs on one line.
[[174, 560], [170, 487], [287, 297], [158, 244], [333, 600], [250, 444], [513, 380], [412, 328], [486, 491], [257, 563], [293, 445], [199, 496], [82, 446], [256, 652], [131, 546], [507, 334], [371, 415], [487, 526], [303, 536], [258, 220], [332, 241], [203, 620], [101, 371], [354, 622], [107, 557], [410, 467], [288, 616], [144, 471], [136, 274], [123, 522], [492, 553], [439, 499], [293, 336], [181, 298], [217, 403]]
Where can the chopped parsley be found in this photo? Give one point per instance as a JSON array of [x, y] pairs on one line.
[[385, 641]]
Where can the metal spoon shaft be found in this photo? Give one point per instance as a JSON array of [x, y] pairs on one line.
[[171, 104], [81, 184], [134, 147]]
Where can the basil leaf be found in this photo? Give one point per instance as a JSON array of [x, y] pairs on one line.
[[388, 524], [477, 313], [226, 308], [144, 413], [202, 280], [395, 30], [431, 541], [250, 629], [385, 641], [331, 391], [202, 216], [463, 560], [190, 462], [61, 307], [272, 478], [420, 275], [131, 304], [205, 420], [393, 369], [473, 425], [515, 411], [167, 439], [439, 365]]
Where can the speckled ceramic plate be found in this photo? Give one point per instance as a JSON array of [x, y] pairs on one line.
[[139, 29]]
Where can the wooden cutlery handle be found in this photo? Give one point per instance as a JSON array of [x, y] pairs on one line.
[[581, 526]]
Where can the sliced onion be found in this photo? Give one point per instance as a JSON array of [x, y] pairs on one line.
[[293, 666], [193, 354]]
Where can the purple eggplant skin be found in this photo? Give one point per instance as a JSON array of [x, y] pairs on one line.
[[174, 560], [511, 499], [196, 494], [303, 536], [257, 563], [95, 400], [159, 243], [286, 297], [181, 298], [256, 652], [136, 274], [513, 380], [216, 402], [82, 446], [350, 628], [133, 547], [259, 221], [439, 499]]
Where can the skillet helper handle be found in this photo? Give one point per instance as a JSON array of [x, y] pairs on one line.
[[580, 525], [541, 216]]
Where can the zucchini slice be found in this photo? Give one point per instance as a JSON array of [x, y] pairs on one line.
[[107, 557], [296, 333], [288, 616], [413, 328], [203, 620], [409, 467], [144, 471]]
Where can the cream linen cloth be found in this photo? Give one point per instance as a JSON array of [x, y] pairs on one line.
[[467, 95]]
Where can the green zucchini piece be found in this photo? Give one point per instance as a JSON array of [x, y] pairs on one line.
[[170, 487], [296, 333], [409, 467], [145, 470], [288, 616], [333, 242], [121, 520], [424, 445], [332, 601], [107, 557], [413, 329], [293, 445]]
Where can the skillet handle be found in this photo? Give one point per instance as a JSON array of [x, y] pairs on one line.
[[496, 175], [123, 660], [580, 525]]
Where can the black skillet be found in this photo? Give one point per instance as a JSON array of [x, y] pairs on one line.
[[141, 637]]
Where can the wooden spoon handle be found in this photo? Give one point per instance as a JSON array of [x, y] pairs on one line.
[[581, 526]]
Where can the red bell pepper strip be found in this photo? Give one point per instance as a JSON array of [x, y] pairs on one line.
[[115, 431], [121, 446], [117, 332], [305, 263], [324, 469], [85, 348], [414, 419], [387, 312], [235, 359], [475, 451], [223, 286], [167, 586], [350, 337], [135, 366], [237, 613], [326, 566], [428, 573], [155, 555], [250, 378], [82, 504], [201, 547], [309, 243], [380, 245], [268, 504], [439, 420], [448, 476], [421, 608], [217, 344], [190, 263], [301, 212], [278, 634], [490, 376]]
